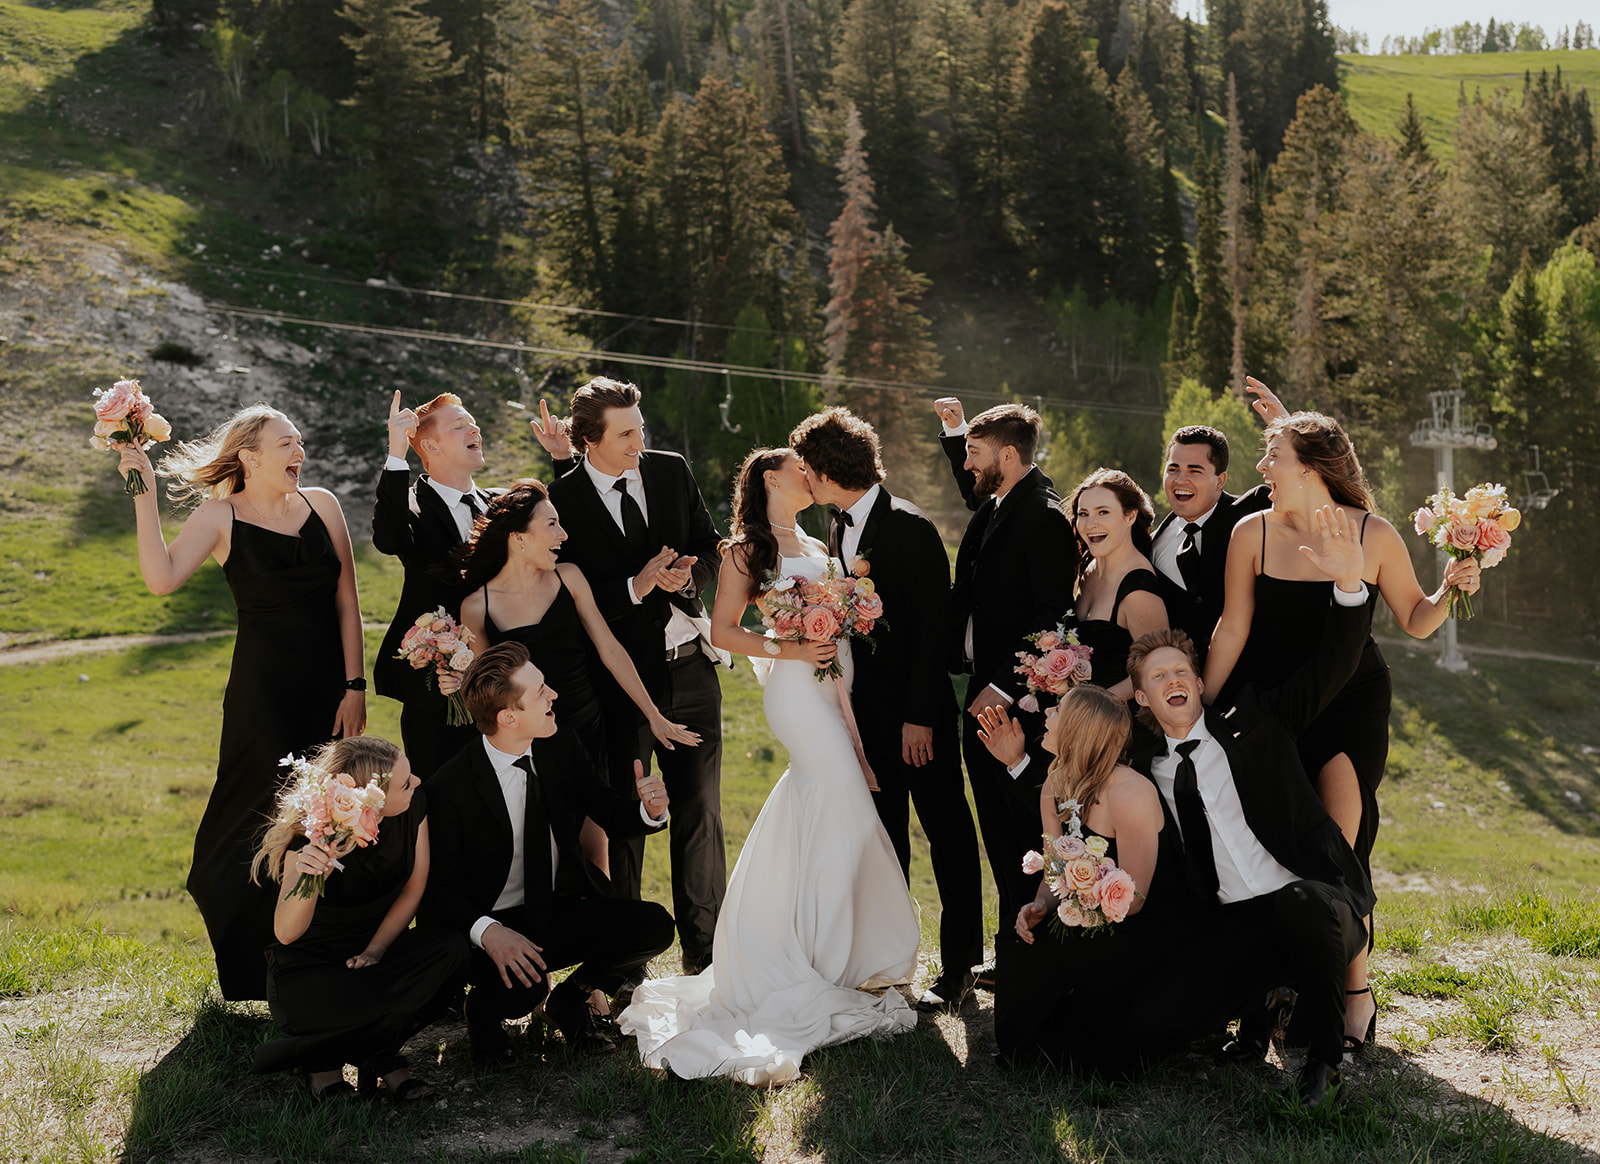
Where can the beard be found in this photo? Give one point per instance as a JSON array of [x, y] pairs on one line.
[[986, 480]]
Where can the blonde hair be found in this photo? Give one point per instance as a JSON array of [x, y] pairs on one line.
[[362, 758], [210, 467], [1091, 731]]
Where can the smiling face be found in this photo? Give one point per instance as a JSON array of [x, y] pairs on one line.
[[1169, 686], [618, 450], [1280, 467], [277, 457], [540, 541], [1192, 483], [452, 442], [533, 717], [984, 462], [402, 783], [788, 484], [1101, 522]]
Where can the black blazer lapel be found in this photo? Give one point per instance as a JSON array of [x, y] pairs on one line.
[[487, 785], [870, 524], [595, 514], [432, 506]]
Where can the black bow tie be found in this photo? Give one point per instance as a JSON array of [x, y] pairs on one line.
[[844, 516]]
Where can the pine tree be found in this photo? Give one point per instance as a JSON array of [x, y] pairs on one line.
[[1238, 239], [1503, 195], [1413, 138], [1212, 355], [852, 241], [1491, 38], [996, 87]]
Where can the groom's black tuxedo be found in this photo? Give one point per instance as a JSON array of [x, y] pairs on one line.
[[905, 681], [471, 839], [1196, 613], [412, 522], [1013, 578]]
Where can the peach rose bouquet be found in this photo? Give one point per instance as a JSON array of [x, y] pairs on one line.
[[123, 414], [1061, 662], [1477, 525], [436, 643], [333, 812], [1093, 891], [831, 608]]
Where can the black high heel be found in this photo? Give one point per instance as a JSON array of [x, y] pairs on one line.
[[1352, 1045]]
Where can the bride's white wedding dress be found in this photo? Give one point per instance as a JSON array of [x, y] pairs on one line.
[[816, 908]]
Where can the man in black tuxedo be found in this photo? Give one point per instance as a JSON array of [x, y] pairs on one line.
[[1013, 578], [421, 524], [640, 532], [508, 871], [903, 700], [1256, 839]]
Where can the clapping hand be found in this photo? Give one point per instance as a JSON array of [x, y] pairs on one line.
[[553, 433], [1341, 557], [1002, 735], [666, 570], [1266, 403], [652, 791], [402, 423]]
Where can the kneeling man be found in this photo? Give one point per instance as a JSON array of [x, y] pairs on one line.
[[508, 870]]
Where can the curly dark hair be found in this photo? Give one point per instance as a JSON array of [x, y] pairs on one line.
[[840, 445], [1129, 496], [750, 535], [484, 555]]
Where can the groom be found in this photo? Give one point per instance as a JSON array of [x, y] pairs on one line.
[[904, 703]]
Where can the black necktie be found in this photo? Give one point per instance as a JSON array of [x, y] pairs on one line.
[[536, 886], [1189, 558], [1197, 852], [633, 525], [988, 528], [836, 528], [472, 504]]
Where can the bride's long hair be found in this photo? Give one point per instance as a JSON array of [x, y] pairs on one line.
[[1091, 731], [751, 536]]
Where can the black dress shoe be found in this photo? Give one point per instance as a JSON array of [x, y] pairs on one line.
[[582, 1029], [1258, 1030], [983, 979], [947, 993], [1317, 1083]]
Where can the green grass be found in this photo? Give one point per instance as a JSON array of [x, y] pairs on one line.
[[1375, 87]]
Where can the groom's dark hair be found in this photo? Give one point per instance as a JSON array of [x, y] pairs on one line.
[[841, 446]]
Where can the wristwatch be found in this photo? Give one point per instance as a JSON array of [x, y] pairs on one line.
[[772, 647], [359, 683]]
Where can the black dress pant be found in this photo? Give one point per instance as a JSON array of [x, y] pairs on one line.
[[608, 939], [1008, 819], [940, 795], [692, 696]]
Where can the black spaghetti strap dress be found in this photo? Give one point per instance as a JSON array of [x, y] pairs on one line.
[[1289, 620], [283, 692], [335, 1015], [1112, 643]]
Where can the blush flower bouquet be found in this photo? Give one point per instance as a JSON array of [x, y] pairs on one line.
[[1478, 525], [123, 414], [1061, 663], [334, 812], [831, 608], [436, 641], [1093, 890]]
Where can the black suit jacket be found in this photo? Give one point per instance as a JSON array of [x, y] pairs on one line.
[[905, 679], [678, 518], [470, 829], [1196, 613], [412, 523], [1258, 730], [1014, 582]]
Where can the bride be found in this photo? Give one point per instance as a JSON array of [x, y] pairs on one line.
[[817, 911]]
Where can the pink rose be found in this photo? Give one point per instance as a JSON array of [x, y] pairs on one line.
[[1069, 913], [1491, 536], [117, 401], [439, 624], [870, 607], [819, 624], [1463, 535], [1116, 894], [860, 567], [786, 624], [1069, 848], [367, 827], [1057, 667], [813, 592], [1079, 873], [1422, 520], [1032, 863], [1049, 641], [1083, 669], [863, 628], [345, 803], [1089, 895]]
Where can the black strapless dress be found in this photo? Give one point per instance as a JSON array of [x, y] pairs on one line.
[[1289, 620], [335, 1015], [560, 647], [283, 692], [1112, 643]]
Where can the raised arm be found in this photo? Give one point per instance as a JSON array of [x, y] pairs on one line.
[[1238, 606], [401, 911], [351, 719], [1418, 614], [164, 567], [391, 511]]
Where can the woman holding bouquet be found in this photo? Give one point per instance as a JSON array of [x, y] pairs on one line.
[[517, 591], [347, 978], [817, 911], [297, 677], [1273, 615]]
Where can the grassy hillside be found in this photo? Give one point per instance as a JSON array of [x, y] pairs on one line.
[[1375, 87]]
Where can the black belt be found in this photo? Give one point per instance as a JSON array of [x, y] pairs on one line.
[[683, 650]]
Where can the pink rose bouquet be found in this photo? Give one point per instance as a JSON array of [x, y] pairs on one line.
[[828, 609], [334, 812], [1061, 662], [123, 414], [435, 641], [1094, 893], [1477, 525]]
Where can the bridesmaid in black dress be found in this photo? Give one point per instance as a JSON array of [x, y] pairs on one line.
[[1273, 616], [347, 979], [518, 592], [285, 552]]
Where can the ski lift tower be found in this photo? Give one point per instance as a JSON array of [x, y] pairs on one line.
[[1450, 428]]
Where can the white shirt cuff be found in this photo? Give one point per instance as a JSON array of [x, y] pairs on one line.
[[1356, 598], [479, 927], [654, 822], [396, 464], [959, 430], [1019, 767], [633, 595], [1007, 698]]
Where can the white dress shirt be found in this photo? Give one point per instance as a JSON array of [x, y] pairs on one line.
[[680, 628], [858, 517], [1164, 554], [454, 501]]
